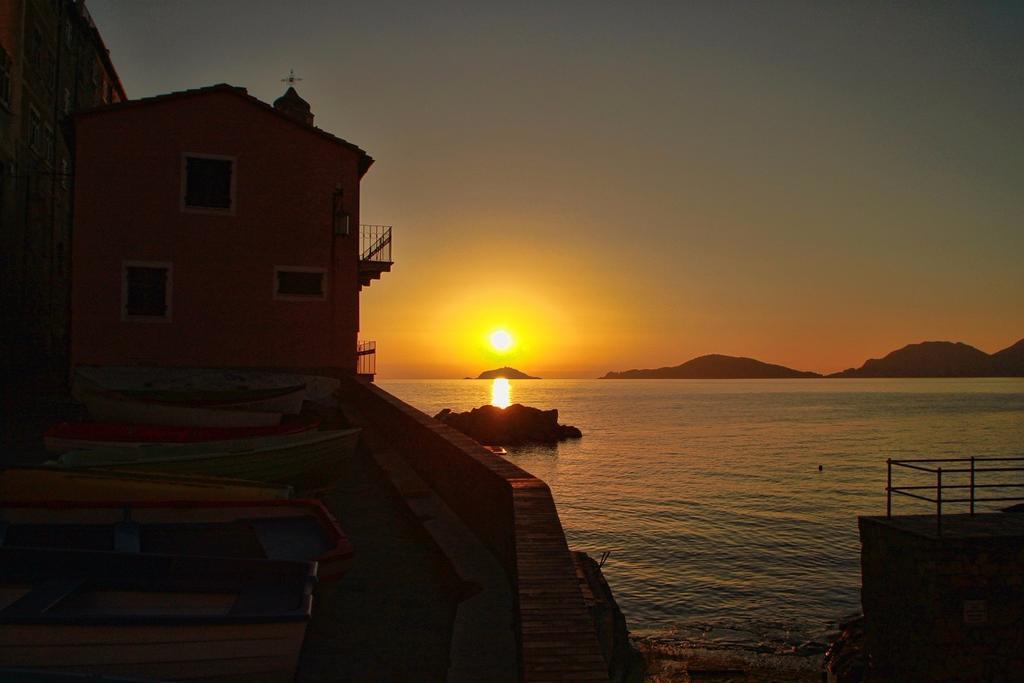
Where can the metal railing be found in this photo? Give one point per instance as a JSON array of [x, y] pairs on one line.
[[366, 358], [375, 243], [954, 476]]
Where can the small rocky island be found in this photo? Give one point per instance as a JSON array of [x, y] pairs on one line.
[[512, 426], [506, 372]]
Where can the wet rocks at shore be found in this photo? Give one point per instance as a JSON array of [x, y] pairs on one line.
[[667, 660], [846, 659], [512, 426]]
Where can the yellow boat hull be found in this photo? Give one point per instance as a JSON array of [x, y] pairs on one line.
[[40, 484]]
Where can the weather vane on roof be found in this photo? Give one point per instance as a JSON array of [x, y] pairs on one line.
[[292, 78]]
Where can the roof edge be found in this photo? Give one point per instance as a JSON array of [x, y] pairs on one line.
[[225, 88]]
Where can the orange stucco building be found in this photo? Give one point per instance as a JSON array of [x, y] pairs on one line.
[[214, 230]]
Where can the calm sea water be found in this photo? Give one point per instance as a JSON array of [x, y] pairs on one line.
[[708, 494]]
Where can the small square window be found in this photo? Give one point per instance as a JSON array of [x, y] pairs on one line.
[[146, 291], [299, 283], [208, 182]]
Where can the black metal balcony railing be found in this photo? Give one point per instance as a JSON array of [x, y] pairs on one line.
[[374, 252], [366, 358], [375, 243], [956, 480]]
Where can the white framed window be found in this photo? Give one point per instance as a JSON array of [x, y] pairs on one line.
[[300, 283], [146, 291], [207, 183]]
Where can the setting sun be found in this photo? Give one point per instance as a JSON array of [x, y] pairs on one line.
[[501, 340]]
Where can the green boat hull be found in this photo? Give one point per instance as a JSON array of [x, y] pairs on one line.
[[306, 463]]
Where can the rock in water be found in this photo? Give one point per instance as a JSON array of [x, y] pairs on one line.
[[517, 424], [846, 659]]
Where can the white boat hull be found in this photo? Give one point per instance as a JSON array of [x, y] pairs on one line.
[[289, 404], [115, 378]]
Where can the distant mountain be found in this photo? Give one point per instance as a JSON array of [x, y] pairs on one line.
[[943, 359], [506, 372], [715, 366], [927, 359], [1010, 361]]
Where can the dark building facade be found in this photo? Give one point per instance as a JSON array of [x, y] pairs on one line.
[[52, 63]]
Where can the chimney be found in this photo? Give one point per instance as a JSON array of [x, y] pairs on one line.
[[294, 107]]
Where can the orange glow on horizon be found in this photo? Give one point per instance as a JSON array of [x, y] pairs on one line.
[[442, 330], [433, 322]]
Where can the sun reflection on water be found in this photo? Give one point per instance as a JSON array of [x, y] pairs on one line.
[[501, 393]]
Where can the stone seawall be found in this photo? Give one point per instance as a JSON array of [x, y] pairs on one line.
[[944, 608], [514, 515]]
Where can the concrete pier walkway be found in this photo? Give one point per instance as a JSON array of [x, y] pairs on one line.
[[390, 618]]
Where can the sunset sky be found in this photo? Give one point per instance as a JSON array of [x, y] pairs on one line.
[[626, 185]]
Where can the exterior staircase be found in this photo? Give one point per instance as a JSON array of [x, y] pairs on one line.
[[374, 253]]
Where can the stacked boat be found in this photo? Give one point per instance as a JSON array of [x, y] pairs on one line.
[[309, 460], [163, 542], [195, 407]]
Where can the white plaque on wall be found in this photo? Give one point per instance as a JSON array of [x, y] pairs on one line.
[[975, 612]]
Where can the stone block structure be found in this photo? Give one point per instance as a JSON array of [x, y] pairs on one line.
[[944, 603]]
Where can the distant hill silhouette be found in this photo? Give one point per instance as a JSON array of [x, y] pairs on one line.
[[943, 359], [927, 359], [715, 366], [506, 372], [1010, 361]]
